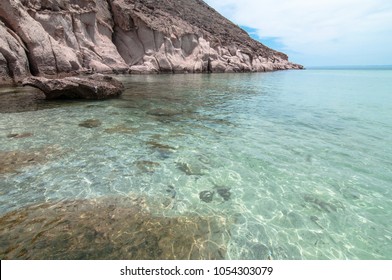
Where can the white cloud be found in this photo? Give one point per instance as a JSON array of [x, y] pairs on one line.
[[319, 31]]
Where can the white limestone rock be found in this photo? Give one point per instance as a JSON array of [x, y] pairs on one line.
[[67, 37]]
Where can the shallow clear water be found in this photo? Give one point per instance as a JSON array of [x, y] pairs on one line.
[[299, 162]]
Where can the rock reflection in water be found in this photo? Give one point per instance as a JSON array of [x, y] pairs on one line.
[[18, 99], [115, 228]]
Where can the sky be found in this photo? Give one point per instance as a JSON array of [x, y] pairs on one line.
[[318, 32]]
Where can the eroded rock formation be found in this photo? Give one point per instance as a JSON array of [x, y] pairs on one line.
[[95, 86], [66, 37]]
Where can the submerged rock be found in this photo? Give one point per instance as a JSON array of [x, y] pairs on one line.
[[224, 193], [110, 228], [90, 123], [159, 146], [322, 205], [171, 191], [206, 196], [189, 169], [260, 251], [119, 129], [147, 166], [13, 161], [20, 135], [96, 86], [164, 112]]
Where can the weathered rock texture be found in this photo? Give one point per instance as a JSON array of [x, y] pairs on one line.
[[52, 37], [96, 86], [110, 228]]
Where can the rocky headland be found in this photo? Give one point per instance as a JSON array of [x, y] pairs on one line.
[[53, 38]]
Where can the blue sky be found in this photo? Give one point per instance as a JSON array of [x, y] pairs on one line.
[[318, 32]]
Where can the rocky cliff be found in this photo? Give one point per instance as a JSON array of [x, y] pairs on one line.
[[67, 37]]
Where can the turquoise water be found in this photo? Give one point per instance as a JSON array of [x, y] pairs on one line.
[[299, 162]]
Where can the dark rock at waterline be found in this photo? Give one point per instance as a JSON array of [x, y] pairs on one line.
[[15, 100], [206, 196], [109, 228], [91, 123], [96, 86]]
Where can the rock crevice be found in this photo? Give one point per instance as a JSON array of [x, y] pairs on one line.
[[68, 37]]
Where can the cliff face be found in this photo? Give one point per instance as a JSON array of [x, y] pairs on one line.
[[66, 37]]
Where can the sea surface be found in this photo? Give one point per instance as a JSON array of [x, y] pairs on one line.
[[281, 165]]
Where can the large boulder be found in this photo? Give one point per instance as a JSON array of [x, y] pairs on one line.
[[96, 86]]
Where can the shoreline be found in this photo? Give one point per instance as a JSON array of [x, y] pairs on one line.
[[18, 82]]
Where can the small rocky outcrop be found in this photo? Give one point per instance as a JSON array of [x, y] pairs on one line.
[[50, 37], [96, 86]]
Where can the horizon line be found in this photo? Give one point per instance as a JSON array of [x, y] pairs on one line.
[[351, 66]]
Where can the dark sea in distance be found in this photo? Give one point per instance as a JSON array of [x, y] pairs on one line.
[[280, 165]]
